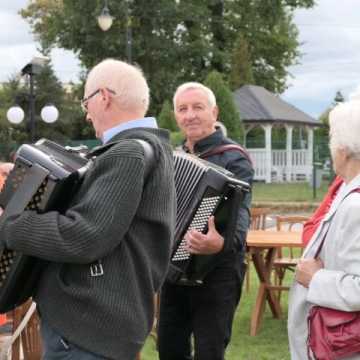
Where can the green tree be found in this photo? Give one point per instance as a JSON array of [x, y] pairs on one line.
[[241, 69], [321, 134], [176, 41], [228, 113], [166, 118]]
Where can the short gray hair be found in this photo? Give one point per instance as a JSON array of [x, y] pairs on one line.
[[195, 86], [344, 121], [128, 81]]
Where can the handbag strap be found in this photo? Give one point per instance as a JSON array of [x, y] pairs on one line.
[[323, 239]]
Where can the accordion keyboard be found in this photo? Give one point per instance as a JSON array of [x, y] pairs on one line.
[[199, 223], [6, 259]]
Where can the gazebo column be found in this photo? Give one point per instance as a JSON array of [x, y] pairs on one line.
[[310, 157], [268, 158], [310, 152], [247, 129], [289, 164]]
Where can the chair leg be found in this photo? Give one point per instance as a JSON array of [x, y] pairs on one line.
[[247, 279], [279, 277], [247, 272]]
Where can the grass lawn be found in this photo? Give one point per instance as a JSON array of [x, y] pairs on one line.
[[289, 192], [271, 343]]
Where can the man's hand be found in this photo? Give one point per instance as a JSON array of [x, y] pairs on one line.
[[205, 244], [1, 210], [5, 169], [305, 270]]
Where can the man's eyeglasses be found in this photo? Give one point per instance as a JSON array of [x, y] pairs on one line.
[[84, 101]]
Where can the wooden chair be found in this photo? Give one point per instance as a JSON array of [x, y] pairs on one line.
[[258, 218], [257, 222], [29, 339], [286, 259]]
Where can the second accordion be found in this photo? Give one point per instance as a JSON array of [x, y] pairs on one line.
[[45, 177], [203, 189]]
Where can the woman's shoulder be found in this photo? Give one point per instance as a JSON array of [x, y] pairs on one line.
[[352, 199], [349, 209]]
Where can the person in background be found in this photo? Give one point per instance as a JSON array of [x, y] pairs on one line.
[[313, 223], [205, 311], [332, 279], [5, 169], [109, 252]]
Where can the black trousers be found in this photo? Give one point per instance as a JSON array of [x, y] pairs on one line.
[[205, 311], [55, 347]]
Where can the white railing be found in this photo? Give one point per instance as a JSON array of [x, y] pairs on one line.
[[299, 169], [258, 157]]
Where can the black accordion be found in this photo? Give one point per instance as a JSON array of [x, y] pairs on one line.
[[203, 189], [45, 177]]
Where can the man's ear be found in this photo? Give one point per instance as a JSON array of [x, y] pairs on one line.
[[106, 97], [215, 112]]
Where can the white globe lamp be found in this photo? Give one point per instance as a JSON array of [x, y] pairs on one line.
[[15, 114], [105, 20], [49, 113]]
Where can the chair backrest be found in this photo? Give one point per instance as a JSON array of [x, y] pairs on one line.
[[30, 338], [290, 222], [258, 218]]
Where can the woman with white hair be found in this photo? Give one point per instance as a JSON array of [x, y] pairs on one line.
[[331, 278]]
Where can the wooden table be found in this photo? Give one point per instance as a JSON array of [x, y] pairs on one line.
[[262, 245]]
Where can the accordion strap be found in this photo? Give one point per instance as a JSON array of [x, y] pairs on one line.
[[223, 148], [149, 153]]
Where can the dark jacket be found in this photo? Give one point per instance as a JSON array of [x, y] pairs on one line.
[[241, 167], [114, 217]]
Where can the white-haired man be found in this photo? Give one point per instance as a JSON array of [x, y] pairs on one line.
[[206, 311], [109, 252]]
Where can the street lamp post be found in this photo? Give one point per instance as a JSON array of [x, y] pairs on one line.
[[105, 21], [128, 35], [49, 113], [31, 73]]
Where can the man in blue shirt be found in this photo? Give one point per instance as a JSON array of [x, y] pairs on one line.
[[109, 252]]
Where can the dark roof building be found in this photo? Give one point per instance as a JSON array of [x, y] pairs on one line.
[[256, 104]]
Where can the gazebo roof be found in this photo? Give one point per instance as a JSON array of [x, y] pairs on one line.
[[256, 104]]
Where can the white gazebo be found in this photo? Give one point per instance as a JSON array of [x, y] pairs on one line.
[[259, 108]]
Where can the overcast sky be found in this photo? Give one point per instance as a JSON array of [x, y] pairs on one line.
[[330, 36]]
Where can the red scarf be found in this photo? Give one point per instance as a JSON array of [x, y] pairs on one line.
[[312, 224]]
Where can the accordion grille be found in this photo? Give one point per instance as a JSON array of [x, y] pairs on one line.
[[188, 173], [7, 256]]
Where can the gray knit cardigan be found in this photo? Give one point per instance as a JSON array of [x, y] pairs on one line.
[[124, 220]]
